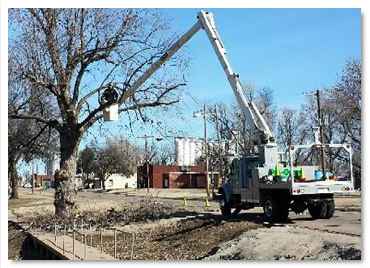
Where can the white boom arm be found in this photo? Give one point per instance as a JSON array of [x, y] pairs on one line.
[[258, 125], [251, 114]]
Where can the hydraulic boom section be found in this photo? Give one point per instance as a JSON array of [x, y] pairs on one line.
[[259, 127]]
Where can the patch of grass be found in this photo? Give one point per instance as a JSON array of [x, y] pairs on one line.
[[26, 201]]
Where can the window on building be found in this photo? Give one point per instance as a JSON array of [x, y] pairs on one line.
[[110, 183]]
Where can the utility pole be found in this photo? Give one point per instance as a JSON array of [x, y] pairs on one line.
[[219, 150], [206, 150], [319, 115], [321, 126], [197, 114], [145, 137], [33, 176]]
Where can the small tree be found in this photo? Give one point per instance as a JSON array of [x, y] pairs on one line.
[[292, 128], [85, 163], [26, 139], [115, 156], [232, 124]]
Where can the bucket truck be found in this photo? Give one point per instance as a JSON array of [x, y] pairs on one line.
[[261, 179]]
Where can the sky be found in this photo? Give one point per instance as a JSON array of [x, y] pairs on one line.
[[291, 51]]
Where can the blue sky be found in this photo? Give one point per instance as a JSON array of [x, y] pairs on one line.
[[290, 51]]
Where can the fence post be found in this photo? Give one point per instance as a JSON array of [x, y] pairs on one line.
[[74, 237], [115, 243], [85, 250], [64, 234], [101, 239], [82, 245], [55, 234], [132, 246], [91, 238]]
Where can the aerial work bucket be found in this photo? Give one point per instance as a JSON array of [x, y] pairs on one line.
[[110, 95], [111, 113]]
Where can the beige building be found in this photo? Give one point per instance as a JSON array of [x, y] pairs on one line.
[[120, 181]]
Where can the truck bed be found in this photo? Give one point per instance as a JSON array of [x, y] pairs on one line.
[[312, 187]]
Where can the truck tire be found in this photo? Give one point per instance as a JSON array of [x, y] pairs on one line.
[[224, 205], [275, 209], [330, 207], [284, 209], [319, 211]]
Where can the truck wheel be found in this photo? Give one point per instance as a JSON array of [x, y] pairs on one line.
[[284, 209], [275, 210], [225, 206], [319, 211], [236, 211], [330, 209]]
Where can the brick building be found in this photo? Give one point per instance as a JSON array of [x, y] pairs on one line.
[[44, 180], [172, 176]]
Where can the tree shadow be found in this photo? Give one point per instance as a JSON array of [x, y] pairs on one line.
[[251, 217]]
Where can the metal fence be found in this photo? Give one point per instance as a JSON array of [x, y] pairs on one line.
[[85, 231]]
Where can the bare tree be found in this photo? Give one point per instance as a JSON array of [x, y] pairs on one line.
[[73, 55], [85, 164], [292, 129], [341, 114], [117, 155], [163, 155], [233, 126], [26, 139]]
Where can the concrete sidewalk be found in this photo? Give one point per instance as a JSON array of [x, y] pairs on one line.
[[48, 240]]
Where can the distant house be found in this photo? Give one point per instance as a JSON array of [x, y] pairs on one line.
[[121, 181], [117, 181], [173, 176]]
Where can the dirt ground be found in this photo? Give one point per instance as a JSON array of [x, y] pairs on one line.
[[171, 240], [16, 239], [166, 229]]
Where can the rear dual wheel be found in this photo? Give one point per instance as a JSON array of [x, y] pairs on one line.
[[325, 210], [275, 209], [330, 209], [318, 212]]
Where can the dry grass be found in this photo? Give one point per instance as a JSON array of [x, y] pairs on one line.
[[348, 202]]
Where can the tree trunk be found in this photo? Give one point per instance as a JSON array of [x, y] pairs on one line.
[[13, 180], [65, 186], [102, 181]]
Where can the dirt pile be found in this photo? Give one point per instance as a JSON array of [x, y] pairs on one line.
[[287, 243]]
